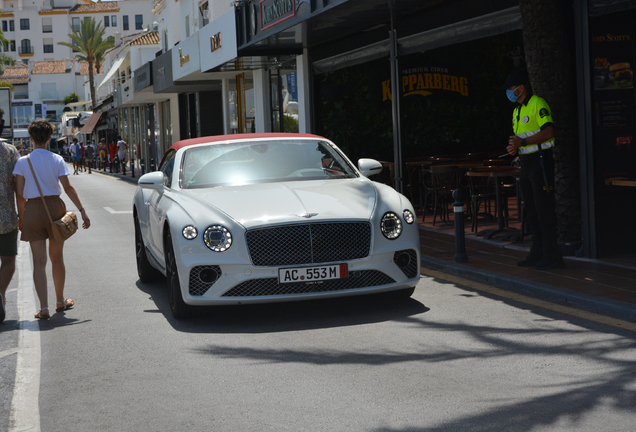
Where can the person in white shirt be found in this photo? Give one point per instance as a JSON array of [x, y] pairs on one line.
[[52, 176]]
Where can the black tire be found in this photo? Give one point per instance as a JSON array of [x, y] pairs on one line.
[[147, 273], [178, 307]]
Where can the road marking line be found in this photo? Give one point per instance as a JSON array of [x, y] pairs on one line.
[[111, 211], [25, 407], [8, 352], [591, 316]]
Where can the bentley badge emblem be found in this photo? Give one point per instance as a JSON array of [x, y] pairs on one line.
[[306, 215]]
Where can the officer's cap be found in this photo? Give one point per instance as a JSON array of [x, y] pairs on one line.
[[516, 79]]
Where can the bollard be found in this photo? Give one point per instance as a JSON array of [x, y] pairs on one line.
[[460, 240]]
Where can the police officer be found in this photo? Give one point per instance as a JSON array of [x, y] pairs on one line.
[[533, 141]]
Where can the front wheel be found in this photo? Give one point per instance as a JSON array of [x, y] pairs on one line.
[[178, 307], [146, 272]]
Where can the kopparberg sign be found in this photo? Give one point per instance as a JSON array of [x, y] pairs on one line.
[[425, 81]]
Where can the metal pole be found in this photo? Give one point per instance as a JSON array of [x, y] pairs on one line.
[[460, 239], [395, 103]]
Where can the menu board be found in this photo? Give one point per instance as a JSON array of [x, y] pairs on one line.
[[612, 39]]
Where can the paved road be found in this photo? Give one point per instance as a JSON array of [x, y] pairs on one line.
[[452, 358]]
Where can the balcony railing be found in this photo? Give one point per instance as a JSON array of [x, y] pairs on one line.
[[26, 50]]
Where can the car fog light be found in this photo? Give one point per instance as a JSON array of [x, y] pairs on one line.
[[391, 226], [403, 260], [408, 216], [189, 232], [217, 238]]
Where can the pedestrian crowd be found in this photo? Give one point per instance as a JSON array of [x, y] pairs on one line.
[[86, 158]]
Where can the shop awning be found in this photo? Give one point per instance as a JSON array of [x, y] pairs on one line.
[[91, 123], [62, 138], [114, 68], [76, 104]]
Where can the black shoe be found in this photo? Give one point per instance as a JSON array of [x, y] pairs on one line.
[[530, 261], [549, 264]]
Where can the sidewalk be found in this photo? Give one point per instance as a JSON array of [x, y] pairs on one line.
[[128, 177], [607, 286]]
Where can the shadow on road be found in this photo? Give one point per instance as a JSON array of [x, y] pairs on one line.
[[287, 316]]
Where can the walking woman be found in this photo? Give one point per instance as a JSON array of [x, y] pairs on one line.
[[52, 175]]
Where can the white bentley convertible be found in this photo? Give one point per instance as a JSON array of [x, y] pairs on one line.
[[268, 218]]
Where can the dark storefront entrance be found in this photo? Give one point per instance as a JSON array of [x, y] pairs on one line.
[[606, 56]]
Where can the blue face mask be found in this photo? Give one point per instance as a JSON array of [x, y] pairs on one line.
[[511, 95]]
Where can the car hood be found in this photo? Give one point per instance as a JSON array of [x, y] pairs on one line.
[[272, 203]]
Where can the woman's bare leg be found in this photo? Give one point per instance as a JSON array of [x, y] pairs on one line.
[[38, 251]]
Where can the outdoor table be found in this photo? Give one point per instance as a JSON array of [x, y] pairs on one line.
[[497, 173], [626, 182]]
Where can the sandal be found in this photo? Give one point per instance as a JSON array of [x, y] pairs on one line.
[[43, 314], [63, 305]]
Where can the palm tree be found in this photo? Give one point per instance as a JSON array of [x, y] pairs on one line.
[[551, 68], [90, 45]]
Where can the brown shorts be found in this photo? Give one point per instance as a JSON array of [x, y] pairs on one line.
[[35, 223]]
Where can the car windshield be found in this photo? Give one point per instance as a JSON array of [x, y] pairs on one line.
[[262, 162]]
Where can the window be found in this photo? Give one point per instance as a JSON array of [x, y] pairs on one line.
[[106, 21], [5, 26], [139, 22], [47, 25], [125, 22], [24, 24], [113, 21], [5, 46], [168, 168], [13, 45], [25, 47], [76, 24], [74, 45], [48, 45], [11, 25]]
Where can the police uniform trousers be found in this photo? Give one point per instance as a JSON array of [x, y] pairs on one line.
[[539, 204]]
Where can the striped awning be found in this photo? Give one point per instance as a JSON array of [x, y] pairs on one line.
[[91, 123]]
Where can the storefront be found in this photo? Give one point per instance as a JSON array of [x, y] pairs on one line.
[[606, 54]]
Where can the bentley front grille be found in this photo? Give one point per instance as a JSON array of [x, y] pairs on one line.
[[270, 286], [202, 278], [310, 243]]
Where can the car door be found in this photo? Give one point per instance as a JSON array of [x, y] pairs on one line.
[[156, 211]]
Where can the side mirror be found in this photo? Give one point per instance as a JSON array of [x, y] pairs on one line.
[[368, 167], [152, 180]]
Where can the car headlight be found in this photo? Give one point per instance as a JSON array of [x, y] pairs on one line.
[[391, 226], [408, 216], [189, 232], [217, 238]]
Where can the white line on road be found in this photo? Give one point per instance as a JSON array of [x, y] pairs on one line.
[[111, 211], [25, 408]]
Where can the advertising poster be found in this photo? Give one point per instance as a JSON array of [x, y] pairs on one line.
[[5, 104], [430, 81], [612, 40]]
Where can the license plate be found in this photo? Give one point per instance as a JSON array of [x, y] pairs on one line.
[[312, 274]]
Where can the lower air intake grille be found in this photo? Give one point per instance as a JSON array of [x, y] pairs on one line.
[[202, 278], [270, 286], [411, 269]]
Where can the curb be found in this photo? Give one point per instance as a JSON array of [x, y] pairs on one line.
[[615, 308], [119, 176]]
